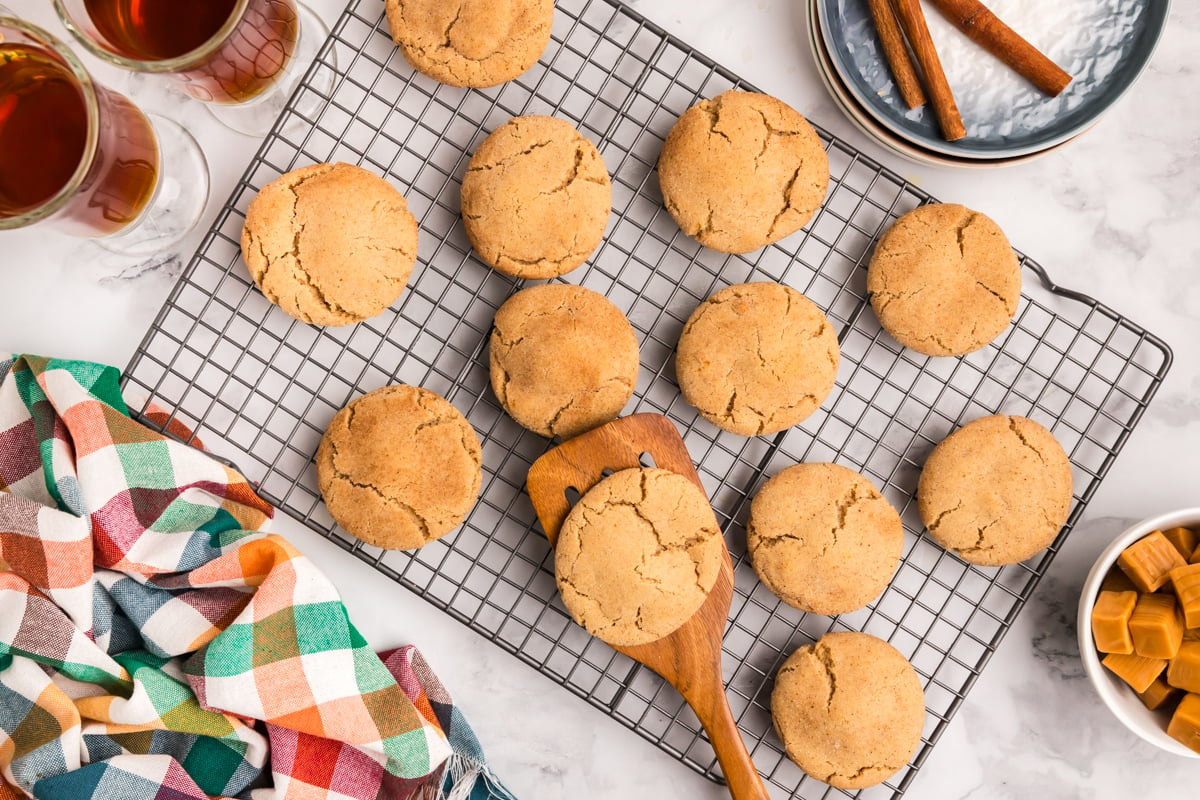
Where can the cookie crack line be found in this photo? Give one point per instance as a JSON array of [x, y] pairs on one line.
[[712, 110], [826, 658], [298, 264], [885, 767], [787, 200], [843, 507], [933, 526], [504, 162], [960, 228], [422, 523], [1012, 426]]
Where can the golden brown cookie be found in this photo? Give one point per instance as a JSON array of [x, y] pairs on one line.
[[756, 358], [823, 539], [563, 359], [471, 42], [536, 198], [330, 244], [849, 709], [399, 467], [638, 555], [741, 171], [944, 280], [996, 491]]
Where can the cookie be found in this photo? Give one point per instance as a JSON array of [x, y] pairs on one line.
[[756, 358], [536, 198], [399, 467], [741, 171], [471, 42], [944, 280], [563, 359], [638, 555], [330, 244], [849, 709], [996, 491], [823, 539]]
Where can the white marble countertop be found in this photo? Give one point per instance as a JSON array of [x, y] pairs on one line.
[[1115, 213]]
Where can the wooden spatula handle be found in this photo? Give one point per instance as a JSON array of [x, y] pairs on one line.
[[712, 709]]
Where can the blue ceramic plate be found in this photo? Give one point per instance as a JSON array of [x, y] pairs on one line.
[[1104, 44]]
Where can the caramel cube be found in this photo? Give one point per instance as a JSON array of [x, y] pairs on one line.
[[1156, 626], [1185, 723], [1149, 560], [1138, 671], [1184, 539], [1195, 559], [1117, 581], [1110, 621], [1184, 672], [1186, 581], [1159, 695]]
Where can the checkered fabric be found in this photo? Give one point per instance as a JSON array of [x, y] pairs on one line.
[[156, 644]]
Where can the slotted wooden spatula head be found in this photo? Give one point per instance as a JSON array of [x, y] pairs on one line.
[[690, 657]]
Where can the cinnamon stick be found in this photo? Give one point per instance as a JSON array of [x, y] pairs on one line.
[[896, 53], [987, 30], [912, 20]]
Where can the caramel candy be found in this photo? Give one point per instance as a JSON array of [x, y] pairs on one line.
[[1138, 671], [1184, 539], [1186, 581], [1110, 621], [1184, 672], [1185, 723], [1148, 561], [1195, 559], [1156, 626], [1117, 581], [1159, 695]]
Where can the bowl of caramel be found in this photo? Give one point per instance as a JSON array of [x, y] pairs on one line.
[[1139, 630]]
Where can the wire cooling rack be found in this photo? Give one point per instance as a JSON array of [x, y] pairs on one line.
[[259, 387]]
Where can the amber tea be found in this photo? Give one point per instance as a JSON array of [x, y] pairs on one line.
[[230, 69], [44, 140]]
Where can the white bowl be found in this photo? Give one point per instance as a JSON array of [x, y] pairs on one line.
[[1120, 699]]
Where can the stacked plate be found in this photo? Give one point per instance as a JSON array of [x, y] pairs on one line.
[[1104, 44]]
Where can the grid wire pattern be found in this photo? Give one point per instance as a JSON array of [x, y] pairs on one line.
[[259, 388]]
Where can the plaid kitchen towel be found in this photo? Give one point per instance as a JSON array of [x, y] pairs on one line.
[[155, 644]]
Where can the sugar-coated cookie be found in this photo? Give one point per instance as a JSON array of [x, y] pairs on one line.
[[944, 280], [563, 359], [638, 555], [756, 358], [399, 467], [536, 198], [849, 709], [823, 539], [330, 244], [471, 42], [741, 171], [996, 491]]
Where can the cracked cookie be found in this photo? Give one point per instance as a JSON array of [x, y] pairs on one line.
[[330, 244], [476, 43], [638, 555], [756, 358], [563, 359], [536, 198], [823, 539], [741, 171], [399, 467], [944, 280], [996, 491], [849, 709]]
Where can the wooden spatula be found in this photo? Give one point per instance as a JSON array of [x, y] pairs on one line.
[[689, 658]]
